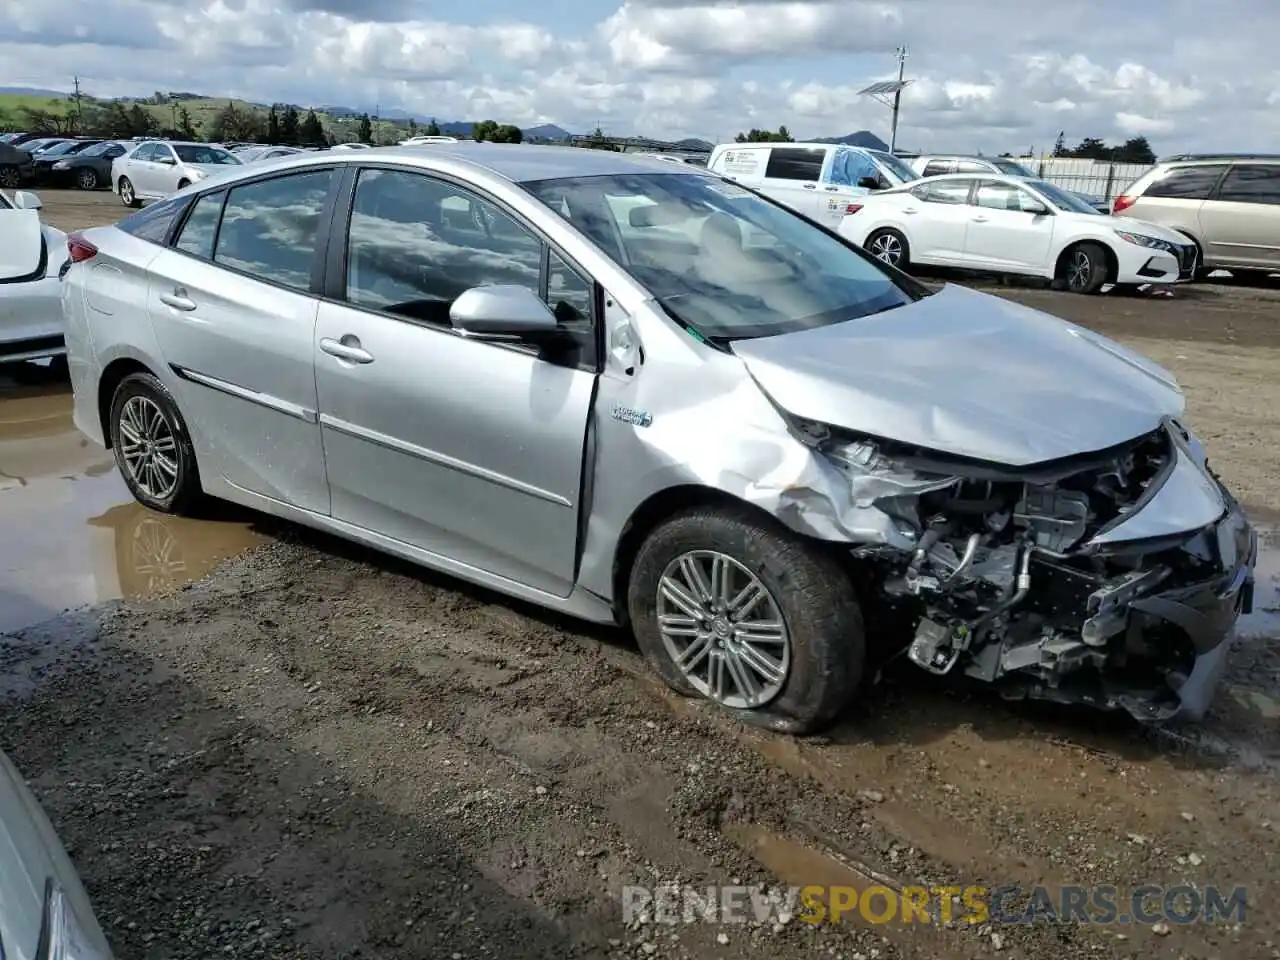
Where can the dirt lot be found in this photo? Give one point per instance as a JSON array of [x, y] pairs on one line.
[[319, 752]]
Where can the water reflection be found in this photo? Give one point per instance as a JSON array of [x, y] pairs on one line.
[[71, 533]]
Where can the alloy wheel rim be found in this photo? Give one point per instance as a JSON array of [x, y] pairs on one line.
[[9, 178], [1081, 268], [126, 192], [148, 447], [87, 178], [887, 248], [723, 629]]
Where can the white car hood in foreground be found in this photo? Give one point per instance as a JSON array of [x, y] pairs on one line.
[[968, 374]]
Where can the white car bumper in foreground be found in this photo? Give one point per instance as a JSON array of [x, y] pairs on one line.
[[1141, 264]]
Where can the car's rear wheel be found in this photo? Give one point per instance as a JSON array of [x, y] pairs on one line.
[[152, 447], [87, 178], [127, 195], [735, 609], [890, 246], [183, 184], [10, 177], [1083, 268]]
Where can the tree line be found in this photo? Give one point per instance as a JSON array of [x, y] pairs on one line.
[[1133, 150]]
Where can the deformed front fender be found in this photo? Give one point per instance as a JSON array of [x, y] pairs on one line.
[[697, 418]]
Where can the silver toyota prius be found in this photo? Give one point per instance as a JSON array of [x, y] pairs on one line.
[[639, 393]]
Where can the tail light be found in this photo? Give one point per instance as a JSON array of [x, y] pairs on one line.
[[80, 248], [852, 209], [1122, 203]]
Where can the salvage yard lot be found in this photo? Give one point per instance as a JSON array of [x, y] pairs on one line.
[[321, 752]]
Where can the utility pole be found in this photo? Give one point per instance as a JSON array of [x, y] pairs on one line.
[[79, 114], [377, 139], [897, 96], [889, 93]]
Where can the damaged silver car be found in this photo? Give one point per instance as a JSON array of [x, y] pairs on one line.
[[641, 394]]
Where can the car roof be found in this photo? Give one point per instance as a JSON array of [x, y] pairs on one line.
[[519, 163]]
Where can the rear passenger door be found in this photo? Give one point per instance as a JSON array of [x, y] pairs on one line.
[[466, 450], [1242, 223], [792, 176], [937, 226], [234, 316]]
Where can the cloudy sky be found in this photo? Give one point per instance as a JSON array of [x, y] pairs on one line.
[[990, 75]]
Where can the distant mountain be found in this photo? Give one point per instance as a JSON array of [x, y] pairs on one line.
[[31, 92], [863, 138], [547, 131], [693, 143]]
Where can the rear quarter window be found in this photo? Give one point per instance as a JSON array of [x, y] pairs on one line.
[[1187, 183], [154, 222]]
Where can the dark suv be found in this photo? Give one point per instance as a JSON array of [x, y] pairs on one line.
[[16, 166]]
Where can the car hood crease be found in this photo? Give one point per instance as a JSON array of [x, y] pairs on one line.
[[967, 374]]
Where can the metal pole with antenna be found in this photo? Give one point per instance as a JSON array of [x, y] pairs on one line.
[[889, 92]]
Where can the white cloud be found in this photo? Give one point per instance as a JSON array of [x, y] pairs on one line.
[[994, 76]]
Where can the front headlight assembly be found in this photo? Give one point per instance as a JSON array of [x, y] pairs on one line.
[[62, 937], [1142, 240]]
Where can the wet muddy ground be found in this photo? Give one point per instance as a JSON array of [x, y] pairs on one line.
[[280, 745]]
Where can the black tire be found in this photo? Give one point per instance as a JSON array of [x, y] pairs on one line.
[[58, 367], [185, 493], [87, 178], [10, 177], [127, 194], [888, 243], [815, 596], [1083, 268]]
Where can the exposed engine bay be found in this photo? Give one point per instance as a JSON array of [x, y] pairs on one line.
[[1017, 576]]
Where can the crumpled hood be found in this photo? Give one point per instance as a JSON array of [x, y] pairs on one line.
[[968, 374]]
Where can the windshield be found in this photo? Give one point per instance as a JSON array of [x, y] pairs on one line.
[[57, 150], [1011, 167], [721, 260], [251, 153], [98, 149], [199, 153], [896, 165], [1062, 199]]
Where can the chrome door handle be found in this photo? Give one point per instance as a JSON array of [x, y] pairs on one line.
[[910, 210], [810, 186], [354, 354], [178, 300], [979, 219]]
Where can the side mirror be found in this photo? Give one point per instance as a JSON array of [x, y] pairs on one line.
[[1037, 209], [25, 200], [503, 311], [167, 161], [869, 183]]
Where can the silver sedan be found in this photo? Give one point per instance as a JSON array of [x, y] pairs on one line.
[[638, 393]]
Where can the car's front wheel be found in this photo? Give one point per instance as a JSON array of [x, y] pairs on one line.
[[127, 194], [889, 246], [731, 607], [87, 178], [152, 447], [1083, 268], [10, 177]]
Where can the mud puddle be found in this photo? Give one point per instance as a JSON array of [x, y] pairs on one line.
[[72, 533]]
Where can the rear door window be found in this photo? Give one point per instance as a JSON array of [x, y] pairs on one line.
[[948, 192], [796, 163], [936, 168], [972, 166], [270, 228], [198, 232], [1252, 183], [155, 221], [1187, 183]]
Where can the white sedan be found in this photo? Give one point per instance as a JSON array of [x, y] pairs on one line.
[[31, 256], [156, 168], [1015, 225]]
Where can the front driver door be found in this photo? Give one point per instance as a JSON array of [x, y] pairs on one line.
[[1005, 232], [29, 305], [469, 450]]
